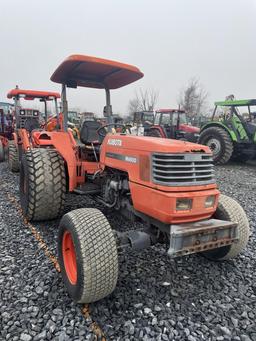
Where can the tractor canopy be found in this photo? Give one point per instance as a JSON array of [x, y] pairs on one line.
[[236, 103], [32, 94], [92, 72]]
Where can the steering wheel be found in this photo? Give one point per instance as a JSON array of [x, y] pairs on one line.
[[102, 131]]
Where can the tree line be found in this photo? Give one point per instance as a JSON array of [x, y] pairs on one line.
[[193, 98]]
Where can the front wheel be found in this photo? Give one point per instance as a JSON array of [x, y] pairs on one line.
[[229, 209], [87, 255], [220, 143]]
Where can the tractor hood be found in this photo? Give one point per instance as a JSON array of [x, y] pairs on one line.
[[189, 129], [152, 144]]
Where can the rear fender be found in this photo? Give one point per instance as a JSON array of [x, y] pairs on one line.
[[232, 134], [65, 144]]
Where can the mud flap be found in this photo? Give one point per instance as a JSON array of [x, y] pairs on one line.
[[201, 236]]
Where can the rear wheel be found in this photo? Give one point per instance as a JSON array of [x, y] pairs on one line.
[[13, 157], [42, 184], [229, 209], [87, 255], [220, 143], [1, 151]]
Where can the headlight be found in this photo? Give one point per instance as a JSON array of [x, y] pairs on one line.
[[22, 112], [35, 113], [183, 204], [209, 201]]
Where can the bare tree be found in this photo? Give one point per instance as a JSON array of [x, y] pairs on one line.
[[193, 98], [133, 105], [144, 100]]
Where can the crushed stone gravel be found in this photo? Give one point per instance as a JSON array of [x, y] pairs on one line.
[[203, 300]]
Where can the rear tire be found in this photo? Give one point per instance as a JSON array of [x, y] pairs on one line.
[[87, 255], [1, 151], [42, 184], [219, 141], [13, 157], [229, 209]]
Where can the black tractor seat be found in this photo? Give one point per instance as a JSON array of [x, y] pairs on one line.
[[89, 133]]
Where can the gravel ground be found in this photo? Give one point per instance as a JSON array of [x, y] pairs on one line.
[[156, 298]]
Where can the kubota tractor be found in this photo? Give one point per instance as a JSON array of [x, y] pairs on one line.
[[26, 120], [231, 135], [167, 184], [173, 124], [6, 132]]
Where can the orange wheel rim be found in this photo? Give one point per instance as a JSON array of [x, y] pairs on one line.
[[69, 257]]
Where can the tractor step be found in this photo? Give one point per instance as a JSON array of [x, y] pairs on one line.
[[201, 236], [87, 188]]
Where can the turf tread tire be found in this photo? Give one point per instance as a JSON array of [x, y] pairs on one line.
[[43, 176], [225, 140], [230, 210], [13, 157], [96, 254]]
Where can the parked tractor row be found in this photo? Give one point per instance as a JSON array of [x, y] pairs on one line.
[[229, 135], [166, 123], [166, 184]]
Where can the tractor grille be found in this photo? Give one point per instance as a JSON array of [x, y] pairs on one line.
[[182, 169]]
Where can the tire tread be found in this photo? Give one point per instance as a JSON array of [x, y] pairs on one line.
[[47, 184]]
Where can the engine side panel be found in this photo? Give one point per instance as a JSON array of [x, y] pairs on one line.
[[132, 154]]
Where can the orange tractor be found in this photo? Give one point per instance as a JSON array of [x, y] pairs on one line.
[[28, 120], [167, 184], [173, 124]]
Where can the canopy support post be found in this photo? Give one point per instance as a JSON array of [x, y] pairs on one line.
[[16, 110], [57, 113], [64, 107], [45, 111], [108, 109]]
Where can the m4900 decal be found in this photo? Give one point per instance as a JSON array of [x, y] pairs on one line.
[[127, 158]]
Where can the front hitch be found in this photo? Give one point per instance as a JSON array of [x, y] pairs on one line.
[[201, 236]]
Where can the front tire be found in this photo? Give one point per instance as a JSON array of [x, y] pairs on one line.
[[87, 255], [220, 143], [13, 157], [42, 184], [229, 209]]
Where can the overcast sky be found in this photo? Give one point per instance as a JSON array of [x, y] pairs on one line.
[[169, 40]]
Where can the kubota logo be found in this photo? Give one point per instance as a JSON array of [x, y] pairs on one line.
[[115, 142]]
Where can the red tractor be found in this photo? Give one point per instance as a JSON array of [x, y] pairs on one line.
[[168, 185], [173, 124], [6, 132], [26, 121]]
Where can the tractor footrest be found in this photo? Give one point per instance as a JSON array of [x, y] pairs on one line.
[[87, 188], [201, 236]]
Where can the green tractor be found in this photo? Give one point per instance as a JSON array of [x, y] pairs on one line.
[[231, 134]]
